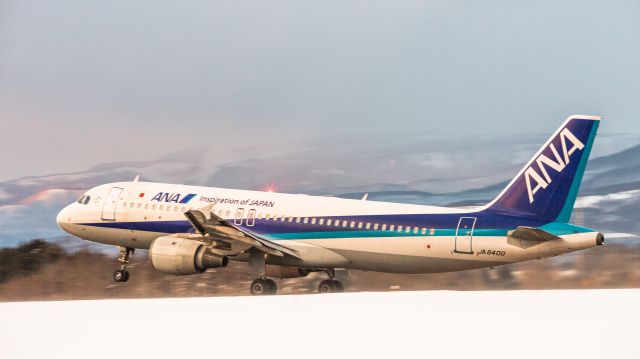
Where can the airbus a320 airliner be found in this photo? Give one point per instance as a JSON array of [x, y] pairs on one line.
[[190, 229]]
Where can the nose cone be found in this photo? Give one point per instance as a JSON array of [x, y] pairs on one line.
[[63, 218]]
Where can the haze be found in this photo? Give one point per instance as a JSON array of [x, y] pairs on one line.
[[87, 82]]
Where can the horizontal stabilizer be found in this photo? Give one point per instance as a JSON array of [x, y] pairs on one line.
[[532, 234]]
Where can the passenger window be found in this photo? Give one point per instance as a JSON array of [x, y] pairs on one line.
[[290, 219], [297, 219], [313, 220], [408, 229], [321, 221], [359, 225], [161, 207], [228, 214], [384, 227], [306, 220], [267, 216], [337, 223], [415, 229], [432, 231], [368, 226], [251, 218], [139, 205], [153, 207], [375, 226], [328, 222], [168, 207], [259, 216], [423, 231], [392, 227], [146, 206], [399, 228], [344, 223], [239, 214], [282, 218]]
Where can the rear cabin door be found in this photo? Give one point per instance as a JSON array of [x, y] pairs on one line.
[[110, 204], [464, 235]]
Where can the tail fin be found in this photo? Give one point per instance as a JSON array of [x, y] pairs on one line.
[[546, 188]]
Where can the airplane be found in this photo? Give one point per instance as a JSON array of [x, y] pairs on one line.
[[189, 229]]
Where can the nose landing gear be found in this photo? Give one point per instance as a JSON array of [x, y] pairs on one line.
[[122, 274]]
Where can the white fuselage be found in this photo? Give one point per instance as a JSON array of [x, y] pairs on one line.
[[368, 235]]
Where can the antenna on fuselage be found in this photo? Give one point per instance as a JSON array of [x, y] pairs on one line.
[[364, 198], [136, 179]]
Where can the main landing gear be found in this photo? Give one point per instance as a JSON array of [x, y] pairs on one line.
[[330, 285], [263, 286], [122, 274]]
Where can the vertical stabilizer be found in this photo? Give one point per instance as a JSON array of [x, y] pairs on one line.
[[546, 188]]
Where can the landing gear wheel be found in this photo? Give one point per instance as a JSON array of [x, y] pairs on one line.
[[263, 286], [330, 286], [121, 275], [273, 287], [339, 286]]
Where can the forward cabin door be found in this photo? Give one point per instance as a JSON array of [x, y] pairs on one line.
[[110, 204], [464, 235]]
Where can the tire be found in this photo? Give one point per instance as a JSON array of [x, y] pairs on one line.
[[261, 286], [120, 276], [338, 285], [126, 276], [326, 286], [273, 287]]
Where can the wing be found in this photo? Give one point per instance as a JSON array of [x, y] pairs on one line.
[[223, 230], [532, 234]]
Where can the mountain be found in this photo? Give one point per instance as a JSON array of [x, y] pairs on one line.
[[397, 168]]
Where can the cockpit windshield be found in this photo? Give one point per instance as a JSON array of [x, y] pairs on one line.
[[84, 199]]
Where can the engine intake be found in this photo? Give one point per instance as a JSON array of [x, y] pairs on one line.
[[181, 256]]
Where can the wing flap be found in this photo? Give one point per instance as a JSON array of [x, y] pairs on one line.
[[220, 228]]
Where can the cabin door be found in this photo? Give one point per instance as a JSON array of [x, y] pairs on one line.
[[464, 235], [110, 204]]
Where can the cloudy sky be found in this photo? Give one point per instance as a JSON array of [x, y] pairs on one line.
[[85, 82]]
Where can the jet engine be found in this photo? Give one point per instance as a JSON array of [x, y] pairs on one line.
[[180, 256]]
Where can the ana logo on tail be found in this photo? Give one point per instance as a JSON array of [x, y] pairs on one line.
[[542, 181]]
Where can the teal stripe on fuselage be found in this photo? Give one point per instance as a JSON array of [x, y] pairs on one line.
[[365, 233], [556, 228]]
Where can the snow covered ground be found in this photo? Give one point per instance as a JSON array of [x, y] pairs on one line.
[[435, 324]]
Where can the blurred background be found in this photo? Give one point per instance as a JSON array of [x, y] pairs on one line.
[[430, 102]]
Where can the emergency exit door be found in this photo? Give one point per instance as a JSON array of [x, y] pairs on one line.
[[464, 235], [110, 204]]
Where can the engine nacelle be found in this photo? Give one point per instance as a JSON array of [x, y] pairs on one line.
[[282, 272], [180, 256]]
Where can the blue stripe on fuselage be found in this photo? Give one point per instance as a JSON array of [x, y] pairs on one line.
[[487, 224]]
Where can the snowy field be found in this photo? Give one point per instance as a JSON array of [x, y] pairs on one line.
[[434, 324]]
